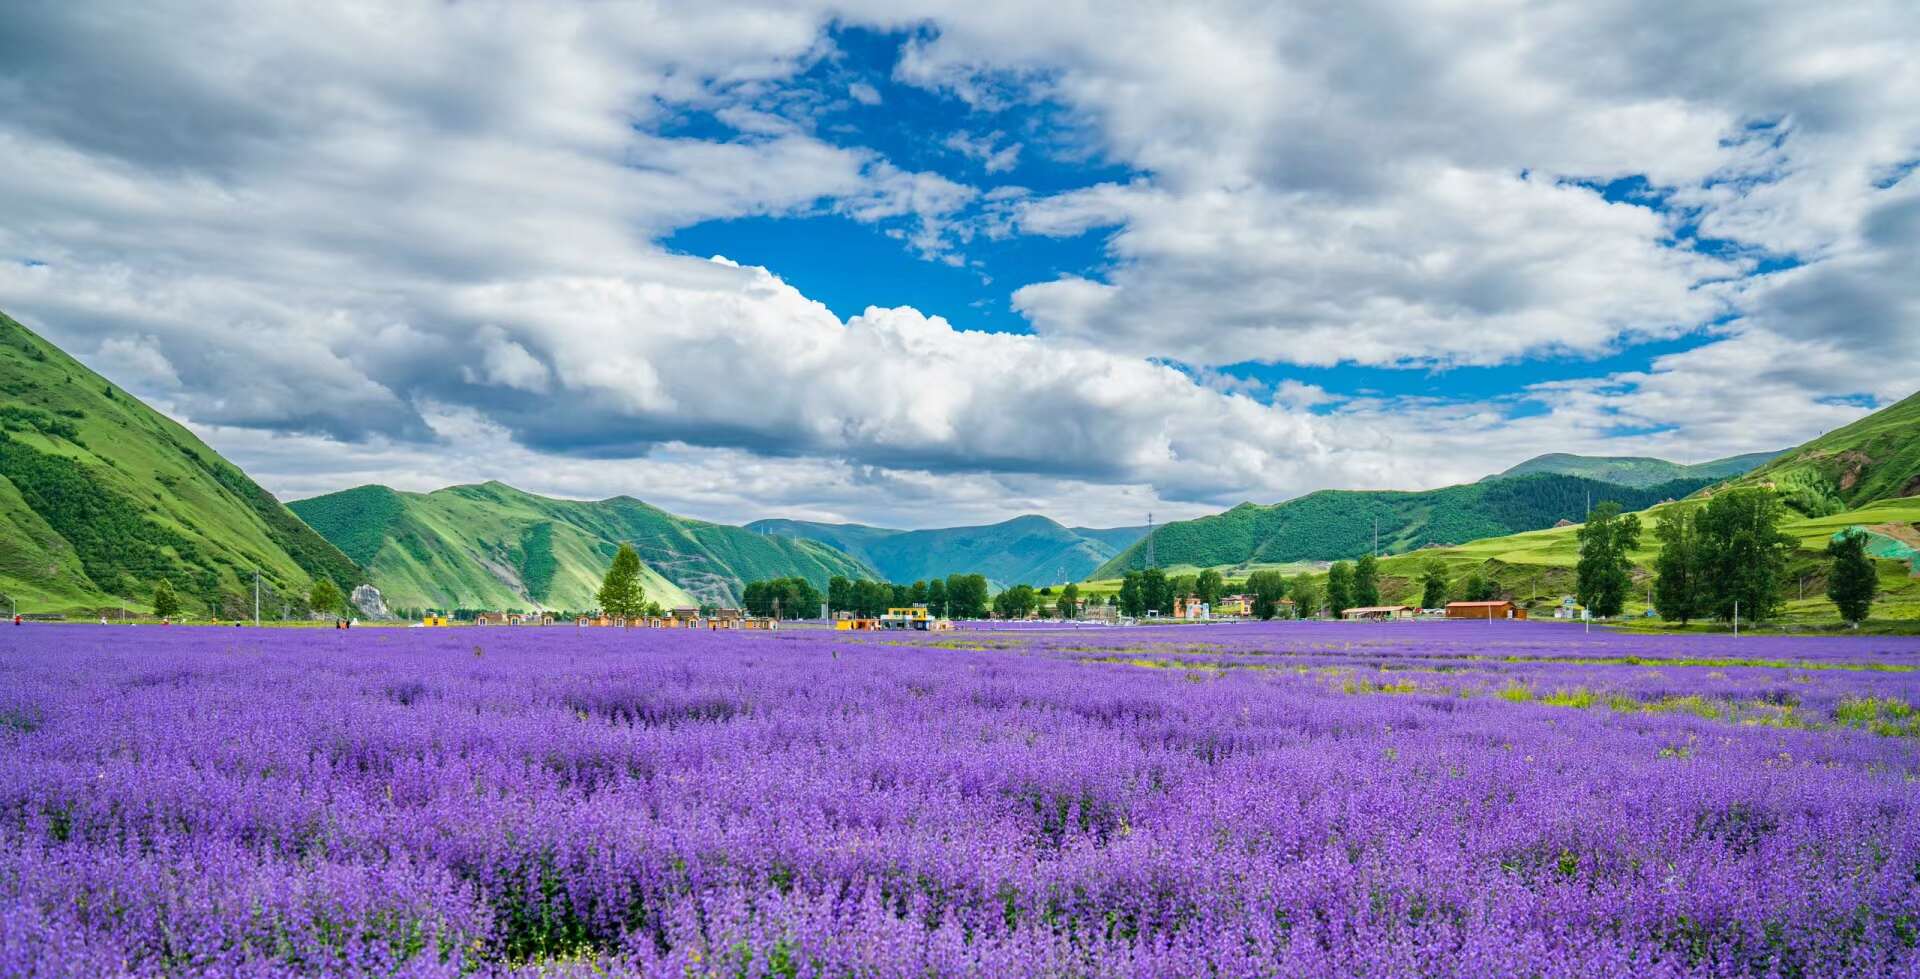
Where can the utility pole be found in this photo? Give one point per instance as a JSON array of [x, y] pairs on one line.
[[1736, 618], [256, 598], [1151, 563]]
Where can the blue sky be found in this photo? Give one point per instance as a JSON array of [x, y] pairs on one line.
[[851, 265], [980, 259]]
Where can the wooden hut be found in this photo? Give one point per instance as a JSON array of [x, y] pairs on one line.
[[1499, 608]]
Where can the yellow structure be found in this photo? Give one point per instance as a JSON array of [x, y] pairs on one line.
[[436, 621], [917, 618], [856, 625]]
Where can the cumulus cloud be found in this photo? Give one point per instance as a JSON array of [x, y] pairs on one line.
[[1390, 184], [327, 235]]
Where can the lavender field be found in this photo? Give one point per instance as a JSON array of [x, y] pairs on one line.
[[1450, 799]]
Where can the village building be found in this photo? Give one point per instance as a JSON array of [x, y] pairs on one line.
[[916, 618], [1497, 609], [1191, 610], [1378, 613], [1234, 605]]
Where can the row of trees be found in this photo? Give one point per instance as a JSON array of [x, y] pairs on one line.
[[961, 596], [782, 598], [1726, 558]]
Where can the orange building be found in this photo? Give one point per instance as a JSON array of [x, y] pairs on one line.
[[1496, 609]]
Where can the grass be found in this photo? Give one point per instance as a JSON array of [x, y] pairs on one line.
[[1537, 566], [146, 465]]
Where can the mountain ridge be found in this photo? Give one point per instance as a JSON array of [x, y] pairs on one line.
[[1335, 524], [1635, 471], [102, 496], [492, 545], [1027, 549]]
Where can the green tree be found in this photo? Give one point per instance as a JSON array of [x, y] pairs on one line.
[[620, 593], [1183, 586], [1603, 573], [1306, 597], [1132, 601], [839, 594], [1743, 554], [1433, 587], [166, 604], [1210, 586], [1069, 604], [1267, 589], [1339, 588], [1679, 593], [788, 598], [1366, 581], [1479, 588], [325, 598], [871, 598], [937, 596], [1155, 591], [1852, 581], [968, 595], [1016, 602]]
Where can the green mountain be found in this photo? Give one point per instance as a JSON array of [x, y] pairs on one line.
[[1636, 471], [1879, 451], [1875, 458], [1025, 550], [1334, 524], [493, 546], [101, 497]]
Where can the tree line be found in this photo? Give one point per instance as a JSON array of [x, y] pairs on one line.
[[1719, 560], [1715, 559]]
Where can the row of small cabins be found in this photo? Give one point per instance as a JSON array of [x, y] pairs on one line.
[[918, 618], [1241, 606], [685, 617], [1490, 611]]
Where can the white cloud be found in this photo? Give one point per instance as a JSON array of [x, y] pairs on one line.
[[1381, 183], [331, 235], [992, 157]]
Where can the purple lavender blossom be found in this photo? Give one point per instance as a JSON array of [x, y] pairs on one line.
[[1286, 799]]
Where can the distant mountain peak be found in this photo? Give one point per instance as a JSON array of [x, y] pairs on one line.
[[1636, 471]]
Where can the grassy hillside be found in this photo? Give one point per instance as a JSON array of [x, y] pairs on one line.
[[1539, 565], [1334, 524], [1536, 567], [493, 546], [1637, 471], [1875, 458], [101, 497], [1025, 550]]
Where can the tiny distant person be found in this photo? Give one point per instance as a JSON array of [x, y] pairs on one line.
[[16, 618]]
